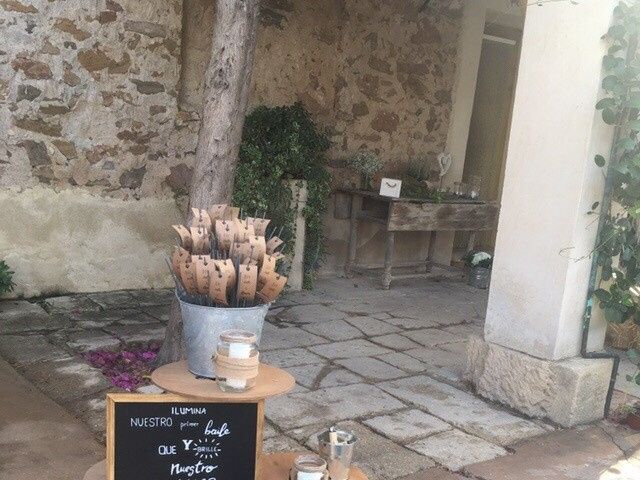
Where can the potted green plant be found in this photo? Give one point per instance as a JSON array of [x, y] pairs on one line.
[[6, 278], [479, 269], [367, 164]]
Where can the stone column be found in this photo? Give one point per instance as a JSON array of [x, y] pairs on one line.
[[530, 356], [299, 195]]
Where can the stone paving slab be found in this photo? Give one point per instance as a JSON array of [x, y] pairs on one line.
[[395, 342], [584, 454], [329, 404], [404, 362], [334, 330], [323, 375], [23, 350], [290, 337], [67, 378], [463, 410], [348, 349], [411, 323], [372, 326], [303, 314], [113, 300], [138, 333], [371, 368], [378, 457], [153, 297], [71, 304], [454, 449], [91, 340], [290, 357], [431, 337], [22, 317], [407, 426]]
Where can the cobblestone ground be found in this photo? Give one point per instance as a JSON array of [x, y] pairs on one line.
[[386, 364]]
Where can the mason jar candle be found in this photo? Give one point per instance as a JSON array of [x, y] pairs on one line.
[[309, 467], [236, 361]]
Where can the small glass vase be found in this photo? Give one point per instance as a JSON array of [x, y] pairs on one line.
[[236, 361]]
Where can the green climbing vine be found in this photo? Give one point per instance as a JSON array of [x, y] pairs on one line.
[[278, 144], [618, 246]]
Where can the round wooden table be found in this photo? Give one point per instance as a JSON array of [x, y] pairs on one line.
[[176, 378]]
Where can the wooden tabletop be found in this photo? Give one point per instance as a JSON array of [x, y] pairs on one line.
[[176, 378], [377, 196], [275, 466]]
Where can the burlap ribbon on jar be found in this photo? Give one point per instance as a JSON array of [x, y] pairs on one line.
[[237, 368]]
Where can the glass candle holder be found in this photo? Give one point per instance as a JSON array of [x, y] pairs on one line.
[[475, 182], [309, 467], [236, 361]]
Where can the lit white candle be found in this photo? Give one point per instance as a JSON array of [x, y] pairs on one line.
[[238, 350]]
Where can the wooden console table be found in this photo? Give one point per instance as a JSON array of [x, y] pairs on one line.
[[414, 215]]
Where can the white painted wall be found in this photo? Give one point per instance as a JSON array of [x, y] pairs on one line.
[[539, 284], [463, 93]]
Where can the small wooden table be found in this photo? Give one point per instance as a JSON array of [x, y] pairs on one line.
[[414, 215]]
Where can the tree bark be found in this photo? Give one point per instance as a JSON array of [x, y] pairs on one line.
[[226, 93]]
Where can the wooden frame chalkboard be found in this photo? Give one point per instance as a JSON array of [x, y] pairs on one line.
[[171, 437]]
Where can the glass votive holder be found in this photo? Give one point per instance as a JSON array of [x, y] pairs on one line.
[[236, 361], [475, 182], [309, 467], [456, 188]]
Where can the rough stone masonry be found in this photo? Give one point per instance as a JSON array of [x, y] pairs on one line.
[[99, 102]]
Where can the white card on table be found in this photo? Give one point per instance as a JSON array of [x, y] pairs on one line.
[[390, 187]]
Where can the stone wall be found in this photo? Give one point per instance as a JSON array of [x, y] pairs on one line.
[[101, 97]]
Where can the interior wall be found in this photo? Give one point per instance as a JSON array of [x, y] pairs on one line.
[[489, 127], [374, 75]]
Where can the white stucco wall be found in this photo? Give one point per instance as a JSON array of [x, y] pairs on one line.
[[73, 241], [540, 275]]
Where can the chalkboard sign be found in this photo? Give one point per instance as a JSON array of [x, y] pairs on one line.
[[168, 437]]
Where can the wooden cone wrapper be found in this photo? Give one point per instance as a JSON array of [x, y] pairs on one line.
[[202, 273], [273, 243], [247, 282], [200, 237], [218, 287], [237, 368], [179, 256], [188, 277], [259, 248], [245, 231], [216, 212], [185, 236], [225, 233], [259, 225], [272, 288], [201, 219], [231, 213], [268, 266], [227, 266]]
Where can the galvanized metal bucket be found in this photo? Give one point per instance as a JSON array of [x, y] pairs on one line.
[[479, 277], [202, 326]]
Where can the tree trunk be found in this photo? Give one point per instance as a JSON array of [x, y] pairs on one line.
[[226, 93]]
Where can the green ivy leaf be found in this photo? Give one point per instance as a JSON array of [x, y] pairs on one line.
[[634, 125], [634, 100], [600, 161], [606, 103], [610, 82], [609, 116], [617, 31], [626, 144], [614, 315]]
